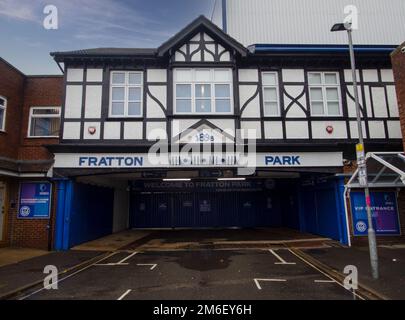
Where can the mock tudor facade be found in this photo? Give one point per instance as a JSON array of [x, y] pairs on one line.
[[257, 136], [203, 88]]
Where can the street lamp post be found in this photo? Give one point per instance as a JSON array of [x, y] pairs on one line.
[[361, 161]]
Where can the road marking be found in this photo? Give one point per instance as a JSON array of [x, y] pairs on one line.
[[153, 265], [124, 294], [267, 280], [119, 263], [282, 261], [325, 274], [324, 281]]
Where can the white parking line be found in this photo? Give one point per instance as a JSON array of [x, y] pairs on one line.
[[324, 281], [282, 261], [124, 294], [153, 265], [325, 274], [119, 263], [267, 280]]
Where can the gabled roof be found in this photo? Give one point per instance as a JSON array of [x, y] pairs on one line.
[[212, 30], [177, 39]]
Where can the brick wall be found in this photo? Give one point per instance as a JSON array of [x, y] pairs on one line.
[[42, 91], [11, 87], [398, 66], [22, 93], [35, 233]]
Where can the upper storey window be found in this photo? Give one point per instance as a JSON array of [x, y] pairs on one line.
[[44, 122], [3, 107], [203, 91], [126, 94], [270, 94], [324, 92]]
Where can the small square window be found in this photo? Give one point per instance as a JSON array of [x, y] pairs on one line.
[[223, 105], [203, 105], [269, 78], [183, 105], [314, 78], [118, 78], [135, 78]]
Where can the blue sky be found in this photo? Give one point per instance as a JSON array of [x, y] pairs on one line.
[[89, 24]]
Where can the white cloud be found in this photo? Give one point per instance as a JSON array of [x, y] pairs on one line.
[[24, 10]]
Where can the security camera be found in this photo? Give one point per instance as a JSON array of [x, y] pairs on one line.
[[403, 50]]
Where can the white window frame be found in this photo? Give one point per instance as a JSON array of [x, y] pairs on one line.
[[32, 115], [277, 87], [212, 84], [3, 124], [126, 86], [324, 86]]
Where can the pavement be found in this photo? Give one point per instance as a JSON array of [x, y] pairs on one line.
[[10, 255], [391, 282]]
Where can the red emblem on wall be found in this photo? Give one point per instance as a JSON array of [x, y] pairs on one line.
[[92, 130], [329, 129]]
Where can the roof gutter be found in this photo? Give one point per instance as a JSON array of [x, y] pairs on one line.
[[263, 48]]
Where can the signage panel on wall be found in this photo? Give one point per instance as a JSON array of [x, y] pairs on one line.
[[35, 199], [384, 213], [198, 160]]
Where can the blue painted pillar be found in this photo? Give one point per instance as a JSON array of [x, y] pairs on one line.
[[341, 210], [63, 208]]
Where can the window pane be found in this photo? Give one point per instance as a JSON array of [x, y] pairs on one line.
[[118, 78], [183, 91], [331, 78], [332, 94], [134, 94], [1, 119], [118, 94], [317, 108], [135, 78], [222, 91], [183, 105], [269, 79], [203, 90], [271, 109], [203, 105], [117, 109], [314, 78], [333, 109], [223, 105], [183, 75], [134, 109], [51, 111], [316, 94], [2, 102], [270, 94], [42, 127], [222, 75], [202, 75]]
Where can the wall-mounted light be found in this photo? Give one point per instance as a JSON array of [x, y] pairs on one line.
[[231, 179], [179, 179]]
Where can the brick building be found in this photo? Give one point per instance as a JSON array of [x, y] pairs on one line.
[[29, 119], [398, 66]]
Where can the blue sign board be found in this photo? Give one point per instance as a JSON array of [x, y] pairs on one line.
[[384, 212], [35, 199]]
